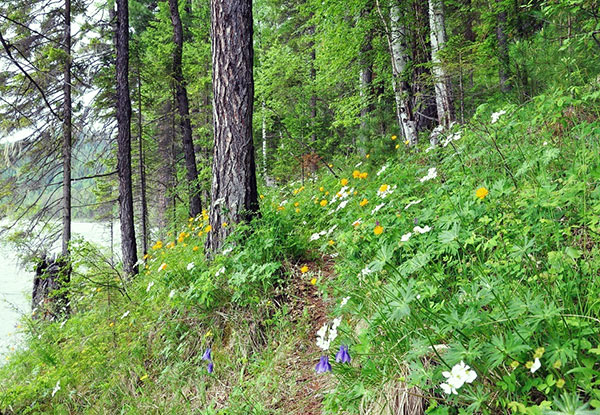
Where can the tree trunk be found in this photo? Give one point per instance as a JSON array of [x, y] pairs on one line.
[[313, 95], [166, 174], [366, 83], [503, 58], [142, 167], [67, 131], [234, 194], [128, 243], [184, 113], [443, 98], [400, 58]]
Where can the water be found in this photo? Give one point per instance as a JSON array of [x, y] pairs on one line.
[[16, 283]]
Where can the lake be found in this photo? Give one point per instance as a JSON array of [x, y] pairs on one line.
[[16, 283]]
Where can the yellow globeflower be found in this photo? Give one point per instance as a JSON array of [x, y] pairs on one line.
[[297, 204], [344, 182], [224, 224], [368, 155], [481, 193], [363, 202], [208, 228], [321, 189], [195, 248], [304, 269], [331, 242], [364, 175], [356, 174], [313, 281], [394, 137], [262, 196], [378, 230], [397, 145], [323, 202], [157, 245]]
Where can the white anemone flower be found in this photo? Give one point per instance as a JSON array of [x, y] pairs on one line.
[[457, 377], [497, 115], [536, 365], [406, 237], [150, 285], [190, 266], [56, 388], [431, 174], [418, 229], [416, 202]]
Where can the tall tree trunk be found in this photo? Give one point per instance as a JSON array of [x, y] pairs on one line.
[[142, 166], [313, 79], [234, 194], [128, 243], [443, 98], [67, 132], [503, 58], [184, 113], [399, 55]]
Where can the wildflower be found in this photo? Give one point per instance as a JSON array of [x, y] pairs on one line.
[[162, 267], [342, 355], [211, 367], [150, 285], [378, 230], [420, 230], [206, 355], [297, 210], [406, 237], [406, 142], [382, 169], [331, 242], [397, 146], [297, 204], [224, 224], [344, 182], [560, 383], [367, 156], [394, 137], [557, 364], [208, 229], [172, 294], [125, 314], [363, 202], [220, 271], [304, 269], [323, 203], [262, 196], [536, 365], [539, 352], [457, 377], [57, 387], [323, 366], [344, 301], [497, 115], [431, 174], [412, 203], [315, 236], [321, 189], [144, 377], [313, 281], [356, 222], [157, 245], [514, 364], [190, 266], [385, 190], [363, 175], [376, 208], [481, 193], [146, 256], [356, 174], [342, 205]]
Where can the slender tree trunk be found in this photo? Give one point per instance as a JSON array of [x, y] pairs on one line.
[[184, 113], [128, 243], [443, 98], [399, 55], [67, 132], [142, 167], [503, 58], [234, 194], [313, 95]]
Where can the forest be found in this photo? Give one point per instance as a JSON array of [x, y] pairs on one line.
[[321, 207]]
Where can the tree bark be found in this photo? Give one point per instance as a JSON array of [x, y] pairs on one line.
[[67, 132], [400, 59], [503, 58], [184, 112], [443, 96], [234, 194], [142, 166], [128, 243]]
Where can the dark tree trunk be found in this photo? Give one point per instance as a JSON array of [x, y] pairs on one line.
[[233, 194], [503, 58], [67, 130], [142, 166], [47, 300], [128, 243], [184, 113]]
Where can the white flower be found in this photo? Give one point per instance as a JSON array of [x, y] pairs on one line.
[[406, 237], [283, 202], [344, 301], [448, 389], [125, 314], [366, 270], [497, 115], [63, 323], [431, 174], [333, 228], [56, 388], [416, 202], [358, 164], [428, 149], [382, 169], [172, 293], [418, 229], [150, 285], [341, 205], [357, 222], [452, 137], [536, 365], [227, 251], [457, 377], [190, 266], [376, 208], [545, 143], [315, 236], [322, 342], [220, 271]]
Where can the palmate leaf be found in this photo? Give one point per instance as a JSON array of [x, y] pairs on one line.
[[504, 347], [570, 404]]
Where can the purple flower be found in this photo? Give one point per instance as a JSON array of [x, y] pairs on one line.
[[323, 365], [210, 367], [416, 220], [342, 355], [206, 355]]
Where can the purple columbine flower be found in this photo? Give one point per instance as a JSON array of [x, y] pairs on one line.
[[323, 365], [206, 355], [342, 355], [210, 367]]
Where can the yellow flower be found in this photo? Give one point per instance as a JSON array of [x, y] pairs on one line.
[[356, 174], [170, 244], [313, 281], [200, 233], [539, 352], [368, 155], [195, 248], [146, 256], [330, 165], [557, 364], [162, 267], [529, 364], [280, 208], [378, 230], [144, 377], [394, 137], [297, 210], [224, 224], [157, 245], [560, 383], [363, 202], [322, 189], [331, 242], [383, 188], [407, 142], [514, 364], [262, 196], [297, 204], [323, 202], [397, 145], [344, 182], [304, 269], [364, 175], [481, 193], [208, 228], [326, 193], [111, 324]]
